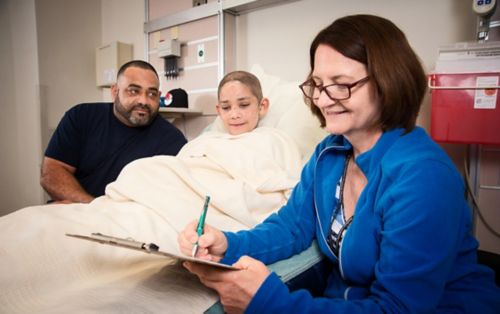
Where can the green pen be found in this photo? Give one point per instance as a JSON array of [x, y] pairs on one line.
[[201, 225]]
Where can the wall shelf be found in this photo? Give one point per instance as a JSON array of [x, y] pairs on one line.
[[237, 7], [175, 113]]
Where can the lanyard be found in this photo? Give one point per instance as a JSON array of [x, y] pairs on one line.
[[334, 238]]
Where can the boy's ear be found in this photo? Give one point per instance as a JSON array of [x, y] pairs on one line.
[[264, 107], [114, 92]]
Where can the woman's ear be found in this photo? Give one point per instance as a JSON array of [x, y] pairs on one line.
[[264, 107]]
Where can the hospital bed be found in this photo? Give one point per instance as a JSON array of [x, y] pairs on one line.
[[43, 271]]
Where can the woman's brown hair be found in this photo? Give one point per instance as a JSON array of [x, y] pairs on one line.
[[394, 68]]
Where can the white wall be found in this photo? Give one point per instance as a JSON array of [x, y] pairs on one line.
[[123, 20], [20, 147], [48, 65], [284, 32], [66, 49]]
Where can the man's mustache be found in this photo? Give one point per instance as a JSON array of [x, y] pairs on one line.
[[143, 107]]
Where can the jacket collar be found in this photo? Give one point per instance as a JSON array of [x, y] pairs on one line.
[[339, 142], [370, 159]]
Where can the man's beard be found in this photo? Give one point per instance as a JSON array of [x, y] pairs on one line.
[[133, 117]]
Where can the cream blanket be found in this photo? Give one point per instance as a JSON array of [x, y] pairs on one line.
[[43, 271]]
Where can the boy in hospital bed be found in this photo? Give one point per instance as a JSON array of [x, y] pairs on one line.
[[240, 102], [248, 172]]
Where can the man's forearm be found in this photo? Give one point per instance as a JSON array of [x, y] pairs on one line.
[[67, 189], [63, 186]]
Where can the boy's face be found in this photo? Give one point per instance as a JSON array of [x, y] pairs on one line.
[[239, 109]]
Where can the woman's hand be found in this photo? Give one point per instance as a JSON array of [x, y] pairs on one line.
[[235, 287], [212, 244]]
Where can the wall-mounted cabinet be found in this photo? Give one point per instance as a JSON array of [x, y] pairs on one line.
[[109, 58], [175, 113]]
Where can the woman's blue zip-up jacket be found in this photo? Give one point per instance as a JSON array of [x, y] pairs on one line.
[[409, 248]]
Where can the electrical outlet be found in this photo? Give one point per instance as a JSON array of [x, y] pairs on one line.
[[201, 53]]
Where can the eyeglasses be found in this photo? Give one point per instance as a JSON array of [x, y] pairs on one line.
[[333, 91]]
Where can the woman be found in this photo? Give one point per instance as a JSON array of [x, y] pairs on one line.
[[384, 202]]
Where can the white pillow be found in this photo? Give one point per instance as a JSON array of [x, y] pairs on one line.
[[287, 111]]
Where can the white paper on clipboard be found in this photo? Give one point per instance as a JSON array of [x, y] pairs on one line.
[[145, 248]]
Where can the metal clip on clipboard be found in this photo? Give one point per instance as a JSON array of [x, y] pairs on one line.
[[128, 242], [125, 242]]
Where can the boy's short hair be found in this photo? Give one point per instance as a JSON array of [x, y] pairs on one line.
[[245, 78]]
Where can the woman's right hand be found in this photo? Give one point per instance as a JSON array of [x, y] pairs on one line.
[[212, 244]]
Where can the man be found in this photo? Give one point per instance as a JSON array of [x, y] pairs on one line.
[[94, 141]]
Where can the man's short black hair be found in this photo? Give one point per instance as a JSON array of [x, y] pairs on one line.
[[138, 64]]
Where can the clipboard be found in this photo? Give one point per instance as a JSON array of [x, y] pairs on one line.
[[149, 248]]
